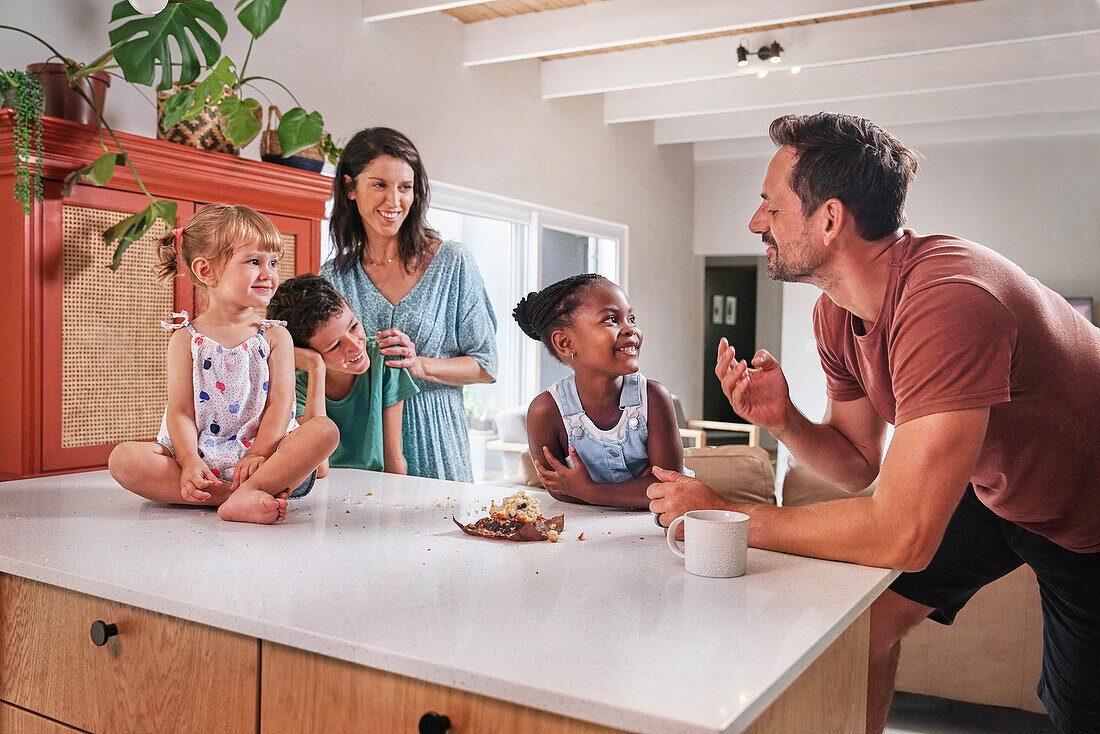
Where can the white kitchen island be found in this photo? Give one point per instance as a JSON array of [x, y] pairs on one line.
[[370, 570]]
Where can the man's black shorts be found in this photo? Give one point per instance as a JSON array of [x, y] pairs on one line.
[[980, 547]]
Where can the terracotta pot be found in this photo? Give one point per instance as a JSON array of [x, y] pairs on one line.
[[62, 101]]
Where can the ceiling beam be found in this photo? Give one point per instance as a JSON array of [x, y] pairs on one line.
[[622, 22], [375, 10], [947, 70], [858, 39], [1006, 127], [1064, 94]]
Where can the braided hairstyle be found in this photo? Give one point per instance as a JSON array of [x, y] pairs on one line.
[[541, 313]]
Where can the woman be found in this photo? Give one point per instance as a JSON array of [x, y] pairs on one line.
[[424, 298]]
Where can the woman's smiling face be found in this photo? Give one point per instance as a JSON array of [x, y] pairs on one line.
[[383, 193]]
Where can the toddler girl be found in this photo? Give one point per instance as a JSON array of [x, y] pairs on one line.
[[228, 437], [595, 435]]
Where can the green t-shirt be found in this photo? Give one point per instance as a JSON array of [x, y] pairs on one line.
[[359, 414]]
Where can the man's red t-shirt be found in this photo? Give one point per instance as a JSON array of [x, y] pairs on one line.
[[963, 327]]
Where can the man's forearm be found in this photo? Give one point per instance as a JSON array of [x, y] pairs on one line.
[[826, 452], [853, 530]]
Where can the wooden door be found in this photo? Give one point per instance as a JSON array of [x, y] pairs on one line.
[[730, 312]]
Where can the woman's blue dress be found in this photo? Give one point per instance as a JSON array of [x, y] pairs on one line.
[[446, 314]]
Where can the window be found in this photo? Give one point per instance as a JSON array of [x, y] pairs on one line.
[[500, 248]]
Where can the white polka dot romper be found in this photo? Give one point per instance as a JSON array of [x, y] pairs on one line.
[[230, 385]]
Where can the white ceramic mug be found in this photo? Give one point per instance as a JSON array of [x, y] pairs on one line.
[[716, 542]]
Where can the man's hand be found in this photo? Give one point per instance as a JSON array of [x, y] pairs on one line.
[[309, 360], [246, 467], [195, 478], [562, 479], [676, 494], [758, 393]]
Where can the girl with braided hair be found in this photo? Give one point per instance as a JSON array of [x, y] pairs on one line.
[[596, 434]]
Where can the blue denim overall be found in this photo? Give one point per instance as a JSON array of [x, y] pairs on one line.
[[618, 454]]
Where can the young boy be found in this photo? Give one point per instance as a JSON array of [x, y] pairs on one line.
[[341, 374]]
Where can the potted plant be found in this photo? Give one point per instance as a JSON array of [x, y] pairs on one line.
[[139, 46], [22, 92]]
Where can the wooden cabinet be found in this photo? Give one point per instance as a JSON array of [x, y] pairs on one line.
[[17, 721], [84, 364], [157, 673], [164, 674], [305, 693]]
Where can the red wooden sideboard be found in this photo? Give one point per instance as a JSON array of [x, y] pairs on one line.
[[83, 360]]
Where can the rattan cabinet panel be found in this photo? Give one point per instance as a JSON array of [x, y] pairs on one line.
[[113, 357], [85, 355]]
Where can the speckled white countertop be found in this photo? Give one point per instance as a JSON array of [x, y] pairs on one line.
[[370, 569]]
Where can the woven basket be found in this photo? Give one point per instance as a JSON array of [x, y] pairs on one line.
[[205, 132], [271, 150]]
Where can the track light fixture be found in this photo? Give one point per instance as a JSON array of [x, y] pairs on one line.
[[773, 52]]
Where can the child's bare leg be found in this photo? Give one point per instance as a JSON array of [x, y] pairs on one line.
[[257, 499], [148, 470]]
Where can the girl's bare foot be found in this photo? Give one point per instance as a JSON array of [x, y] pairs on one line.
[[252, 505]]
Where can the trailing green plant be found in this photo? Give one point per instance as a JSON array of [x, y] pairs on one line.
[[139, 48], [101, 170], [28, 100]]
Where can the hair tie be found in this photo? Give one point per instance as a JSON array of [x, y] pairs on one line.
[[177, 233]]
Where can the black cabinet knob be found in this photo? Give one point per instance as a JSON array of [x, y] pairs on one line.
[[433, 723], [101, 632]]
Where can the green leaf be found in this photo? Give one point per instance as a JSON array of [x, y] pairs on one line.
[[175, 107], [133, 228], [165, 211], [258, 15], [98, 172], [212, 90], [241, 123], [128, 230], [331, 150], [141, 44], [77, 74], [298, 130]]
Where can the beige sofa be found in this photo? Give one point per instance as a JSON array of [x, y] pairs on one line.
[[990, 655]]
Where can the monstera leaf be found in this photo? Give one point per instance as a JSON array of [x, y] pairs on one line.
[[258, 15], [142, 44]]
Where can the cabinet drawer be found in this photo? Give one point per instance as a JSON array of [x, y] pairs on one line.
[[305, 693], [18, 721], [157, 674]]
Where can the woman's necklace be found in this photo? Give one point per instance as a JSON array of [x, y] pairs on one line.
[[377, 263]]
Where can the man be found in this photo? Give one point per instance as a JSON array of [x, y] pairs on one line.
[[993, 384]]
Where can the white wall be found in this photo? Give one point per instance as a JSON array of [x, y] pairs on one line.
[[484, 128], [1034, 200]]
